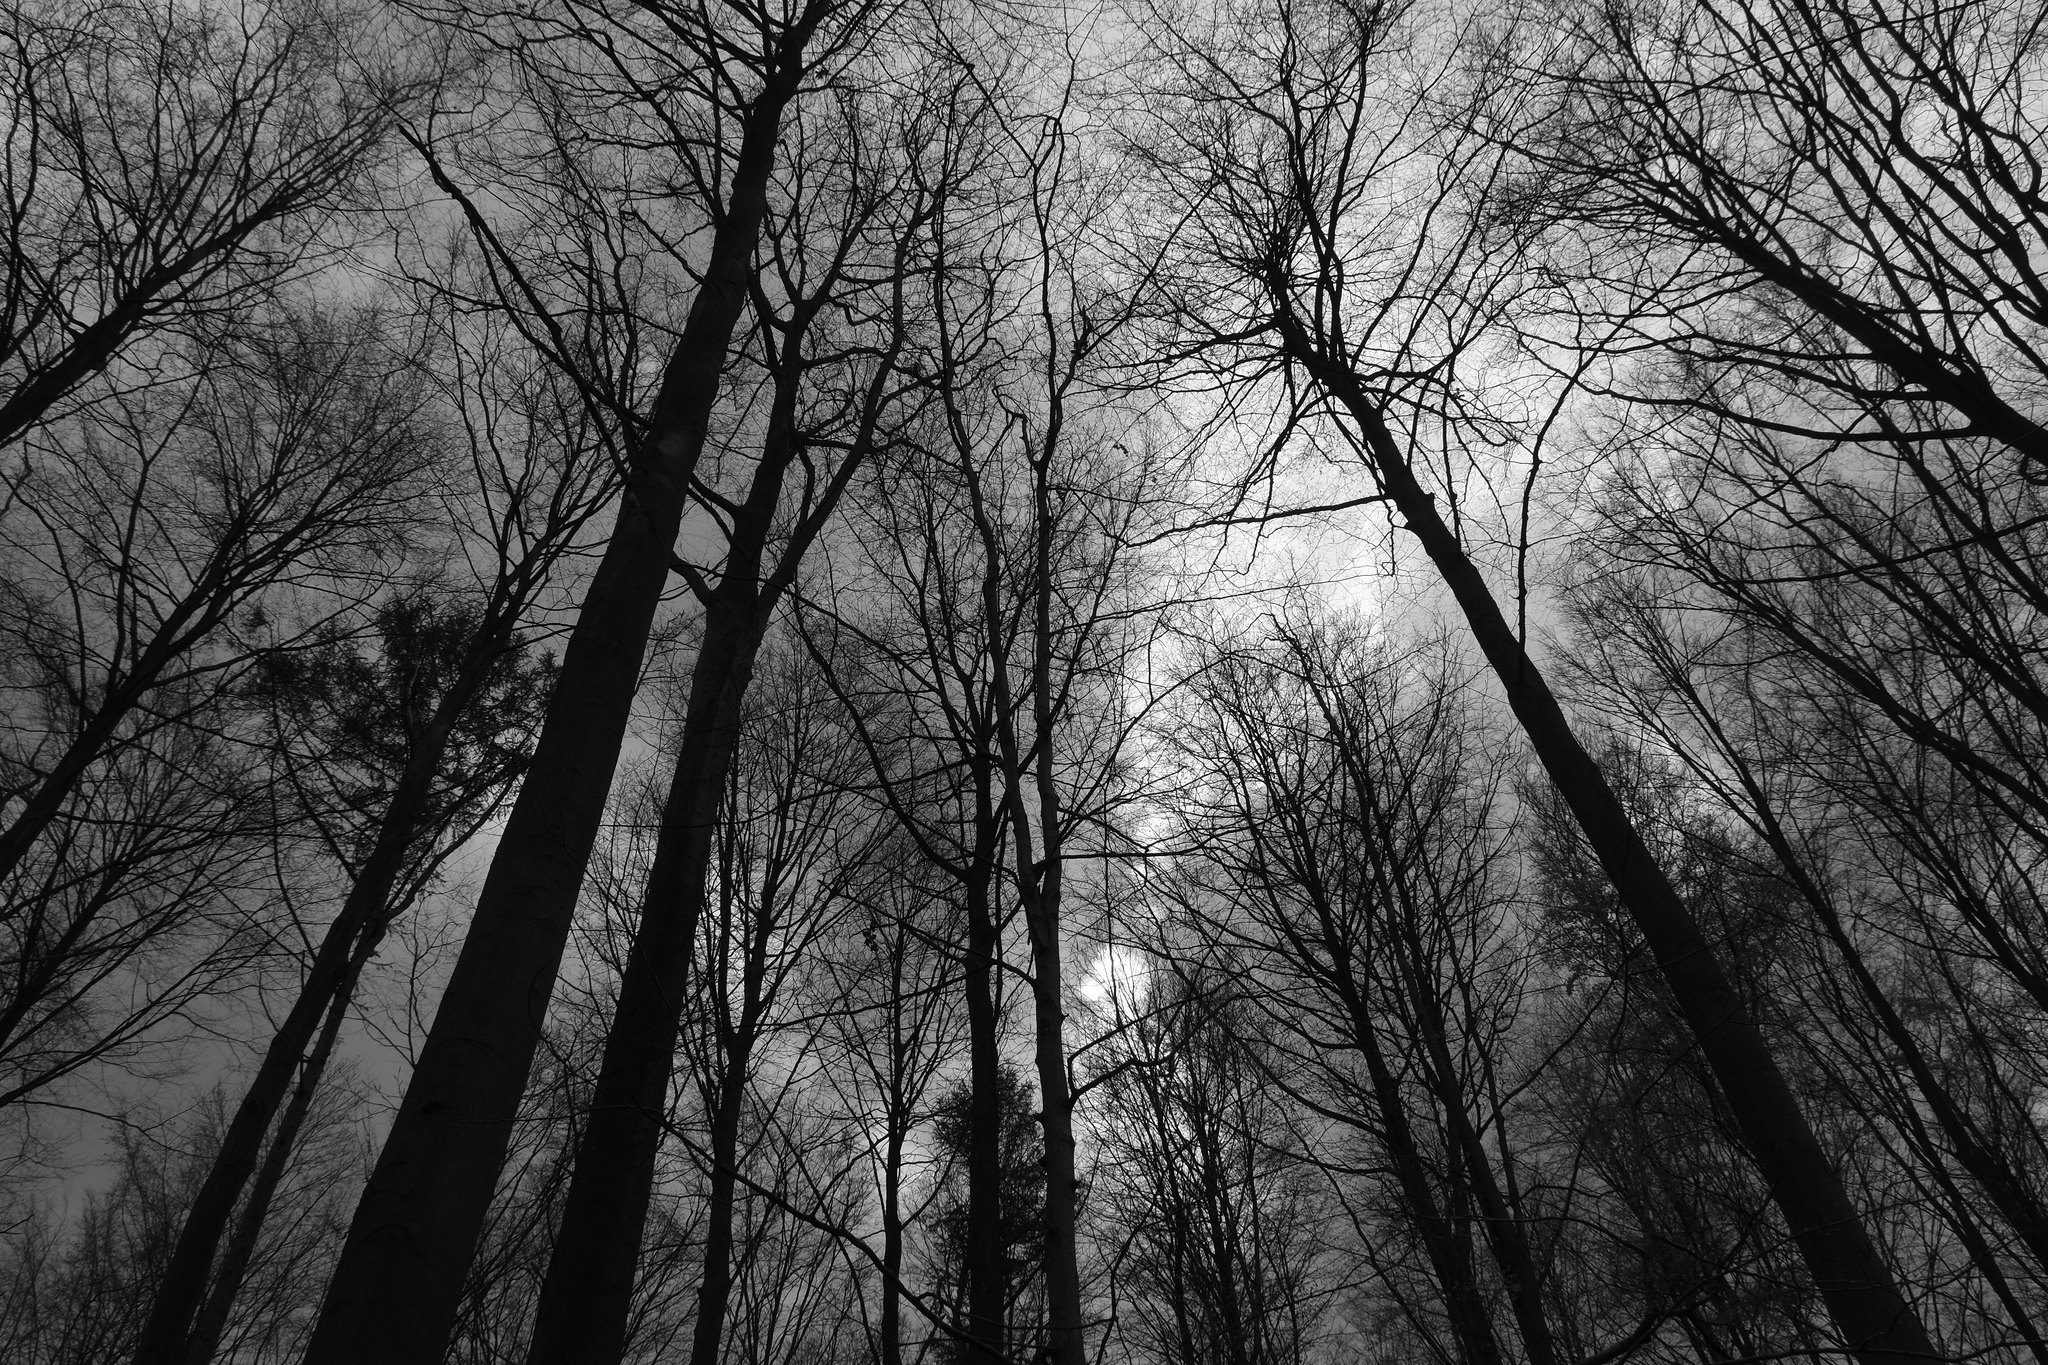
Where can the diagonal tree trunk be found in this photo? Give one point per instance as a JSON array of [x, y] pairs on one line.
[[394, 1294], [329, 982], [585, 1304], [241, 1249], [1861, 1294], [1446, 1238]]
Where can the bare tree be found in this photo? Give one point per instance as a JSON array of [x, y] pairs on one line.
[[76, 1289], [1916, 1040], [414, 752], [165, 166], [1218, 1236], [159, 549], [844, 249], [400, 1279], [1360, 879], [790, 840], [892, 1001], [1339, 269], [906, 656], [1864, 244]]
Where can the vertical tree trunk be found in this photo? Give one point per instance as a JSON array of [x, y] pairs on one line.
[[1039, 884], [1415, 972], [395, 1292], [986, 1263], [1877, 1324], [890, 1326], [1065, 1343], [714, 1293]]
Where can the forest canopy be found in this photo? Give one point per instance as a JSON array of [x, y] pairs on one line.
[[897, 682]]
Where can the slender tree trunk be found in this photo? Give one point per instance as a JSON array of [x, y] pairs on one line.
[[1938, 376], [1444, 1237], [986, 1265], [1065, 1344], [891, 1325], [1503, 1221], [1877, 1324], [1038, 888], [1981, 1253], [714, 1293], [1238, 1319], [395, 1292], [234, 1263], [329, 982]]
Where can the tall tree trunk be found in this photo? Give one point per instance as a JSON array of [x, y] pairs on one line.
[[890, 1326], [1445, 1238], [395, 1292], [241, 1249], [1503, 1220], [586, 1298], [714, 1292], [1039, 885], [1065, 1343], [986, 1262], [329, 982], [1877, 1324]]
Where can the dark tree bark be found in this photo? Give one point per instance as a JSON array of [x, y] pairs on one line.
[[586, 1299], [987, 1269], [952, 815], [714, 1290], [212, 1317], [421, 808], [395, 1292], [1876, 1322], [1733, 773], [323, 994]]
